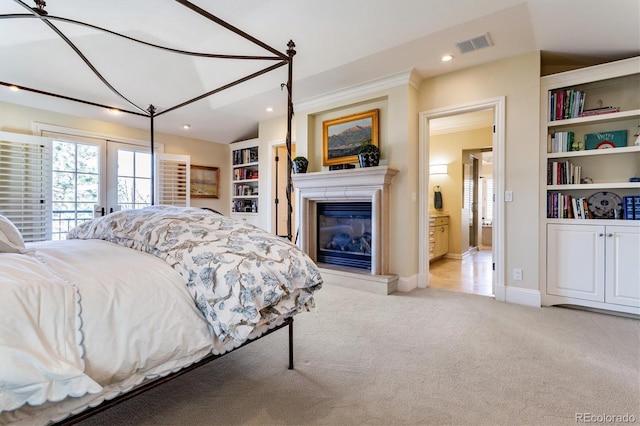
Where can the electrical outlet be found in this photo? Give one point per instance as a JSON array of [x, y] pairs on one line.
[[517, 274]]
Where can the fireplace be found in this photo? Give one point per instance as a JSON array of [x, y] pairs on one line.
[[344, 234], [368, 186]]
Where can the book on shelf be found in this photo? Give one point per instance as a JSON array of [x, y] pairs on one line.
[[562, 141], [636, 207], [598, 111], [563, 173], [564, 206], [603, 140], [565, 104], [628, 208]]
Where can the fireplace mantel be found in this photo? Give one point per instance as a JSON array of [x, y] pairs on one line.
[[369, 184]]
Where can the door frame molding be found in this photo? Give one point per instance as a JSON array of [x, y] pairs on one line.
[[271, 186], [498, 105]]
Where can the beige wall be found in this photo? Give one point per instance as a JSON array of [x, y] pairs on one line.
[[19, 119], [398, 140], [447, 149], [518, 80]]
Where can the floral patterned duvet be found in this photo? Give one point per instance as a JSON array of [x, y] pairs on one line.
[[239, 275]]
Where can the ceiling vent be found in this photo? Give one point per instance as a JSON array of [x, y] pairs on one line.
[[474, 44]]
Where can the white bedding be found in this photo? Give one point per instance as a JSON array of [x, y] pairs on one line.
[[132, 296], [45, 345]]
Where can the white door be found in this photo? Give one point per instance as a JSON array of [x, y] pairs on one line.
[[129, 176], [77, 181], [93, 177], [575, 261], [623, 265]]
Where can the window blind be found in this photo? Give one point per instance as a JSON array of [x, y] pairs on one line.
[[25, 182], [172, 179]]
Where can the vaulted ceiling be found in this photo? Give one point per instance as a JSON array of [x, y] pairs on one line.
[[339, 44]]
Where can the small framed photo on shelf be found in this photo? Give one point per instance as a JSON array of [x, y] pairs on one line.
[[205, 182], [342, 137]]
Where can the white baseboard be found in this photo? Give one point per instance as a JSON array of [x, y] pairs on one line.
[[523, 296], [407, 284]]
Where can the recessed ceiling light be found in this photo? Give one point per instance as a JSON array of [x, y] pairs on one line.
[[114, 111], [269, 109], [447, 58], [186, 126], [14, 88]]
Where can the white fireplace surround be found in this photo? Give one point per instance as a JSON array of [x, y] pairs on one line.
[[368, 184]]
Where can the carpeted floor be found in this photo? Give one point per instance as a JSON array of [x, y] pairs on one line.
[[428, 357]]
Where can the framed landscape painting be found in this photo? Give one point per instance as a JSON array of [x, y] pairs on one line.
[[342, 137], [205, 182]]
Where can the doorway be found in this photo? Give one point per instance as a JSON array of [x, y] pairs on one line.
[[496, 108], [279, 206]]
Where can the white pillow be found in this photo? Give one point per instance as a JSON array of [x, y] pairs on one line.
[[10, 238]]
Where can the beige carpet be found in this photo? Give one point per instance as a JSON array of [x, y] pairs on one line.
[[429, 357]]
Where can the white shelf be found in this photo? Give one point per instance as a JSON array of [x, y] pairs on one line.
[[252, 164], [596, 186], [246, 181], [594, 152], [247, 197], [601, 118], [567, 221]]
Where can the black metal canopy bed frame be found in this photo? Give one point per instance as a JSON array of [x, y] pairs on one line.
[[151, 112]]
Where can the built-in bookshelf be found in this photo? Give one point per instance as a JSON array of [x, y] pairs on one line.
[[590, 159], [591, 125], [245, 180]]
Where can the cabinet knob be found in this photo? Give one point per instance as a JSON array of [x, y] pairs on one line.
[[609, 235], [601, 235]]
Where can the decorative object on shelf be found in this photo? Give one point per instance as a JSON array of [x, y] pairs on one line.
[[299, 164], [205, 182], [342, 137], [637, 135], [577, 146], [605, 205], [604, 140], [342, 166], [368, 155], [586, 180]]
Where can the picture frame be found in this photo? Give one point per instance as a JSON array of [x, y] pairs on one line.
[[205, 182], [342, 137]]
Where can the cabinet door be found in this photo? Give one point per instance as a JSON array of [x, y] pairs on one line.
[[442, 247], [623, 265], [575, 261]]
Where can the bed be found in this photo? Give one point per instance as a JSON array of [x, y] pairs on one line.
[[132, 298]]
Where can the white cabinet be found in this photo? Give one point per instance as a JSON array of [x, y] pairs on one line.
[[592, 254], [622, 266], [597, 263], [438, 237], [245, 181]]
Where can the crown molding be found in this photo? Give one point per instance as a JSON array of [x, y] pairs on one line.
[[409, 77]]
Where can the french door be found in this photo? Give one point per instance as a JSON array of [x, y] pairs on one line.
[[92, 177]]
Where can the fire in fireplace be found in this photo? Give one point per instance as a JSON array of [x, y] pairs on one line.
[[344, 234]]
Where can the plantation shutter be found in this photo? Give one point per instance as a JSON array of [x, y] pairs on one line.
[[172, 172], [25, 182]]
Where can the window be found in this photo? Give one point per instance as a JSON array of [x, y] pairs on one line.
[[50, 184]]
